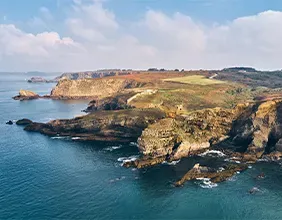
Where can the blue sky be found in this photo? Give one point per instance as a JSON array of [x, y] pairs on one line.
[[204, 10], [71, 35]]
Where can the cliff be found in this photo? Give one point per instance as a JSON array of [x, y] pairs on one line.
[[89, 88], [255, 127]]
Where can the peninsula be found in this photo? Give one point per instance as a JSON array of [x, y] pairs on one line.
[[178, 114]]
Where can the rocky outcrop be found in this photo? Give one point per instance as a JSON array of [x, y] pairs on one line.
[[41, 80], [9, 122], [186, 135], [144, 162], [215, 175], [259, 129], [24, 122], [89, 88], [122, 125], [256, 127], [26, 95], [110, 103]]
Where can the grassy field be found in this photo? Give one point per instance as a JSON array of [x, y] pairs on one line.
[[195, 79]]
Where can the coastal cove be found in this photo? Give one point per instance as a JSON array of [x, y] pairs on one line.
[[45, 177]]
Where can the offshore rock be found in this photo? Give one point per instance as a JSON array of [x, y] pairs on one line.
[[24, 122], [216, 176], [26, 95], [41, 80]]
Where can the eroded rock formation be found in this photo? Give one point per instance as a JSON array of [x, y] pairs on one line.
[[215, 175], [257, 127], [26, 95]]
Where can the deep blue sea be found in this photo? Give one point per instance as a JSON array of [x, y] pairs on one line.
[[45, 178]]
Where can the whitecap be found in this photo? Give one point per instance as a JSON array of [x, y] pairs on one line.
[[133, 144], [262, 160], [171, 163], [76, 138], [232, 160], [60, 137], [112, 148], [212, 153], [250, 167], [127, 159], [206, 183]]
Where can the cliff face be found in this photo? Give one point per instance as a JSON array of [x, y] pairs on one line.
[[99, 88], [255, 127], [187, 135]]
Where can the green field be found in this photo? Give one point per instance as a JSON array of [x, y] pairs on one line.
[[195, 79]]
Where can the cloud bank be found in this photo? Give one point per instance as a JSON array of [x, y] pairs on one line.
[[94, 38]]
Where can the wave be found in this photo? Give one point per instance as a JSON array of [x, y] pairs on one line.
[[133, 144], [233, 160], [60, 137], [112, 148], [127, 159], [76, 138], [117, 179], [206, 183], [171, 163], [212, 153]]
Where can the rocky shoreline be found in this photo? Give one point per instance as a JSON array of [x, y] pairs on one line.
[[166, 133], [255, 127]]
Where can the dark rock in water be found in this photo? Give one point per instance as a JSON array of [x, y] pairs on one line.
[[261, 176], [26, 95], [214, 175], [9, 122], [254, 190], [24, 122]]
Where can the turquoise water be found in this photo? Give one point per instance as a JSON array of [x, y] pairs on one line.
[[42, 178]]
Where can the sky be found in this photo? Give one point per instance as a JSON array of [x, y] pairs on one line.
[[80, 35]]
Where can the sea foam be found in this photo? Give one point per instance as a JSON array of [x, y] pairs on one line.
[[212, 153]]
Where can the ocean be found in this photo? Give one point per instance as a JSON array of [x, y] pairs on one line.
[[60, 178]]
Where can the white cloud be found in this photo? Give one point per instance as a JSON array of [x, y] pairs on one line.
[[97, 39]]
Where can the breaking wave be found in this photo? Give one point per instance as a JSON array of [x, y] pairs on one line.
[[171, 163], [206, 183], [127, 159], [212, 153], [112, 148]]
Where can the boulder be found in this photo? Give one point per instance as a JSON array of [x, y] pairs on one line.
[[9, 122]]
